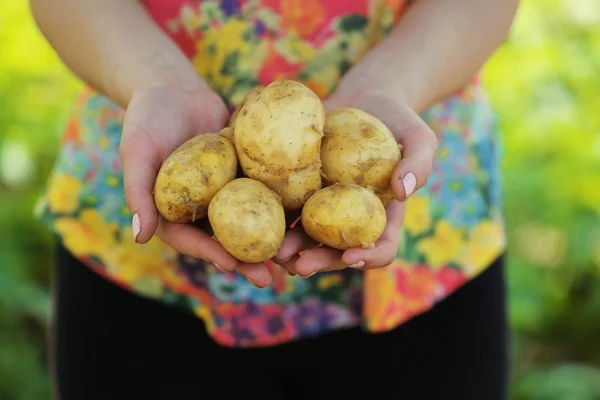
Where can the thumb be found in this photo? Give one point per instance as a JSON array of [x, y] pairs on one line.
[[140, 161], [335, 101], [419, 146]]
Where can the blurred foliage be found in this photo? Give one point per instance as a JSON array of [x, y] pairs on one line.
[[544, 83], [35, 96]]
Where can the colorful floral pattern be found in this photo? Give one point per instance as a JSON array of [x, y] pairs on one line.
[[453, 228]]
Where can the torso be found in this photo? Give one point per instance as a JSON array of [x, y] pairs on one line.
[[453, 228]]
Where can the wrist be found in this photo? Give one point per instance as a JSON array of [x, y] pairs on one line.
[[380, 81], [160, 70], [362, 92]]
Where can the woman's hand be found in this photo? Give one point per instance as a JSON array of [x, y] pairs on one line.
[[158, 120], [419, 146]]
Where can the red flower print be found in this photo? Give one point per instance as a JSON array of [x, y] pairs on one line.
[[72, 132], [302, 16], [451, 279], [416, 283], [164, 11], [276, 66]]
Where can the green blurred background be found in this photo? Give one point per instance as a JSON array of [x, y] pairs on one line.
[[545, 84]]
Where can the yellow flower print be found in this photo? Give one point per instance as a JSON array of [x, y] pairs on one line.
[[443, 153], [112, 180], [417, 219], [358, 45], [149, 287], [89, 234], [191, 19], [103, 143], [380, 294], [486, 241], [221, 46], [63, 196], [132, 262], [444, 246], [329, 280], [207, 316], [294, 49]]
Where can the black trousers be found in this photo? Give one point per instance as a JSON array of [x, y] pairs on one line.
[[109, 344]]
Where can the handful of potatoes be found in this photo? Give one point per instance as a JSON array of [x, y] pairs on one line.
[[334, 169]]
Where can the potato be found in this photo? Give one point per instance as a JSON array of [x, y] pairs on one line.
[[192, 175], [294, 188], [248, 220], [228, 133], [344, 216], [358, 148], [278, 140], [249, 96]]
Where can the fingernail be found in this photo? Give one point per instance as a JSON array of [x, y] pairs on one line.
[[284, 270], [311, 275], [283, 261], [252, 282], [359, 264], [219, 268], [135, 224], [410, 182]]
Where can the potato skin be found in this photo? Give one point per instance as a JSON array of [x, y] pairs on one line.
[[278, 140], [359, 148], [344, 216], [192, 175], [293, 187], [248, 220], [249, 97]]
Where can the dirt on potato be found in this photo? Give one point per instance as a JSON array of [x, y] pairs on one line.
[[344, 216], [192, 175], [248, 220]]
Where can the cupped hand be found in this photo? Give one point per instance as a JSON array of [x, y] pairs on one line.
[[157, 121], [301, 255]]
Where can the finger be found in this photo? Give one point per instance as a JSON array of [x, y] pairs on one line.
[[191, 241], [140, 162], [258, 274], [318, 259], [289, 266], [333, 102], [294, 242], [419, 147], [386, 247]]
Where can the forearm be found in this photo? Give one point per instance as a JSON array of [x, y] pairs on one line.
[[437, 47], [113, 46]]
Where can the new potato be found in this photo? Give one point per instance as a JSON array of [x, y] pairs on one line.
[[358, 148], [248, 220], [278, 135], [249, 97], [192, 175], [344, 216]]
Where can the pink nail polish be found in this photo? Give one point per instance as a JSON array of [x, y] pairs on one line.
[[283, 269], [410, 182], [283, 261], [217, 266], [359, 264], [135, 226]]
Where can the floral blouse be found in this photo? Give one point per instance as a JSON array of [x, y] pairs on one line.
[[453, 228]]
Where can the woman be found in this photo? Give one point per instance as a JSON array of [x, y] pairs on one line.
[[154, 310]]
